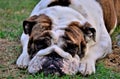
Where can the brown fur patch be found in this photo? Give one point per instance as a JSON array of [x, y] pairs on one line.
[[38, 42], [117, 8], [109, 14], [37, 23], [44, 20], [74, 33], [40, 34], [76, 41], [43, 24], [32, 18]]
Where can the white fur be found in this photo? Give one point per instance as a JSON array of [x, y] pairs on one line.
[[84, 10], [55, 48], [23, 60]]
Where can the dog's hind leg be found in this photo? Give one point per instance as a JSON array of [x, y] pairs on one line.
[[23, 60], [110, 16]]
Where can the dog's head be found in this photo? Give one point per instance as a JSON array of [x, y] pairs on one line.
[[68, 43]]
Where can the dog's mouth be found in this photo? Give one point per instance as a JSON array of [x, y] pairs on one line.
[[53, 66]]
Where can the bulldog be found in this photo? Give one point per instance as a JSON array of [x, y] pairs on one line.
[[67, 36]]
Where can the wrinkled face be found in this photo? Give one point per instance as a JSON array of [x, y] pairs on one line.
[[68, 44]]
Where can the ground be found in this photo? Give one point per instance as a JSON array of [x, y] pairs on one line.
[[113, 59], [13, 13]]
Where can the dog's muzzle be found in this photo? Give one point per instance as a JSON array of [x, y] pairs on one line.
[[60, 63], [54, 61], [53, 64]]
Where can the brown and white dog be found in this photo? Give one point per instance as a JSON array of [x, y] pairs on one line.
[[67, 36]]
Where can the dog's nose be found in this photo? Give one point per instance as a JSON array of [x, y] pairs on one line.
[[50, 70], [52, 67]]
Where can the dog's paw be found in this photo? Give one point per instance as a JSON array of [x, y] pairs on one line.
[[87, 66], [35, 65], [22, 61]]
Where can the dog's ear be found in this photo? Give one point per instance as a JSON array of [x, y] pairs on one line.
[[89, 31], [29, 23], [27, 26]]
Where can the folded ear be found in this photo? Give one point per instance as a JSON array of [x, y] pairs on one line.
[[89, 31], [27, 26], [29, 23]]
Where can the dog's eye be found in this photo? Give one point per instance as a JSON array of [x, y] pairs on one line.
[[71, 48], [42, 43]]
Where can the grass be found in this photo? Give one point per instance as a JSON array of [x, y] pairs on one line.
[[102, 73], [12, 14]]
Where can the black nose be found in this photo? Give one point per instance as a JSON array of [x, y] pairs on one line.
[[52, 67], [50, 70]]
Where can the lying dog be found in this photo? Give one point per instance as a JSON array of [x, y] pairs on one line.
[[66, 36]]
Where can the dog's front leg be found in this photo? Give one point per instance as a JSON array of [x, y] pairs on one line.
[[23, 60], [87, 63]]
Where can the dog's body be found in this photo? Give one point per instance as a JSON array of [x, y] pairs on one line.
[[65, 37]]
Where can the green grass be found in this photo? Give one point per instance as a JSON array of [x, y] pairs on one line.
[[102, 73], [116, 32], [12, 14]]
